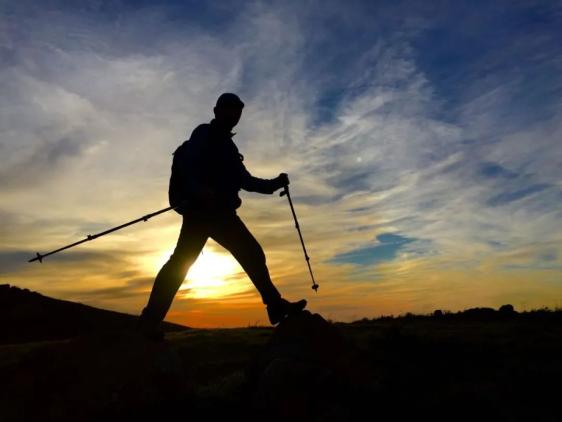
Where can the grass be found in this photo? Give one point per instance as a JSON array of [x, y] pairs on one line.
[[458, 366]]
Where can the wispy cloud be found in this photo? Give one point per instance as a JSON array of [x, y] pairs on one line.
[[390, 118]]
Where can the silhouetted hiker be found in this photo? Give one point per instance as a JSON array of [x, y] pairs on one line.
[[212, 173]]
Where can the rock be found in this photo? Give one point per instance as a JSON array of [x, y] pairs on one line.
[[307, 336], [305, 371]]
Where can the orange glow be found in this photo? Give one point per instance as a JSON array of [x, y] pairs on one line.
[[214, 275]]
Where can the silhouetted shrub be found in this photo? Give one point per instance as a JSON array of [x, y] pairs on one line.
[[507, 309], [479, 314]]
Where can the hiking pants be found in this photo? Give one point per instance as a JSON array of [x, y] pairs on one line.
[[229, 231]]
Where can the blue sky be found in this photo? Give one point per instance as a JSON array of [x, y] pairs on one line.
[[422, 142], [387, 249]]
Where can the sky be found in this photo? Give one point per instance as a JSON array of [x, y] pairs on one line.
[[423, 141]]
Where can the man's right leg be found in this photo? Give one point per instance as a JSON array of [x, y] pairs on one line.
[[192, 238]]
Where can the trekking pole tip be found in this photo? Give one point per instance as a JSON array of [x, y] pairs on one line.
[[38, 257]]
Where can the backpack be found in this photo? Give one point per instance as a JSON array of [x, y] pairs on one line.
[[176, 190]]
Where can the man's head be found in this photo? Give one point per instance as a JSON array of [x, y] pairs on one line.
[[228, 110]]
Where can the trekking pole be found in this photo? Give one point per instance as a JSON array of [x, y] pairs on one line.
[[286, 192], [40, 257]]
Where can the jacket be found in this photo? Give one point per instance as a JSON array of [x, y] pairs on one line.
[[210, 161]]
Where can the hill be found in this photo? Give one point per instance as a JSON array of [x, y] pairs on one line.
[[480, 364], [30, 316]]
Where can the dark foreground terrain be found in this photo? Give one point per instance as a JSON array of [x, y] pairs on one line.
[[479, 364]]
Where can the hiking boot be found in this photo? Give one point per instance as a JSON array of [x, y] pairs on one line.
[[150, 329], [280, 310]]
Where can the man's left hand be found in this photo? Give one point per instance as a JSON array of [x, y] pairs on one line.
[[283, 179]]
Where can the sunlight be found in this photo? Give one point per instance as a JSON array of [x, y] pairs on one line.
[[213, 275]]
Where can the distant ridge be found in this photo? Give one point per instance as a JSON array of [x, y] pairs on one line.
[[27, 316]]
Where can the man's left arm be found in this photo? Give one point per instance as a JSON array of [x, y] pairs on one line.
[[268, 186]]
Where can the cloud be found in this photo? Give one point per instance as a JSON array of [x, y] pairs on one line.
[[13, 260], [495, 170], [389, 117], [507, 197], [132, 288]]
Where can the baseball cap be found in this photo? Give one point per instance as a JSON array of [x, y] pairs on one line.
[[229, 100]]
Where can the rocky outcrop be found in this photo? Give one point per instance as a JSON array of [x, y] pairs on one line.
[[306, 371]]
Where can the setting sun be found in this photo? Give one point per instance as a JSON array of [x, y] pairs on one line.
[[213, 275]]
